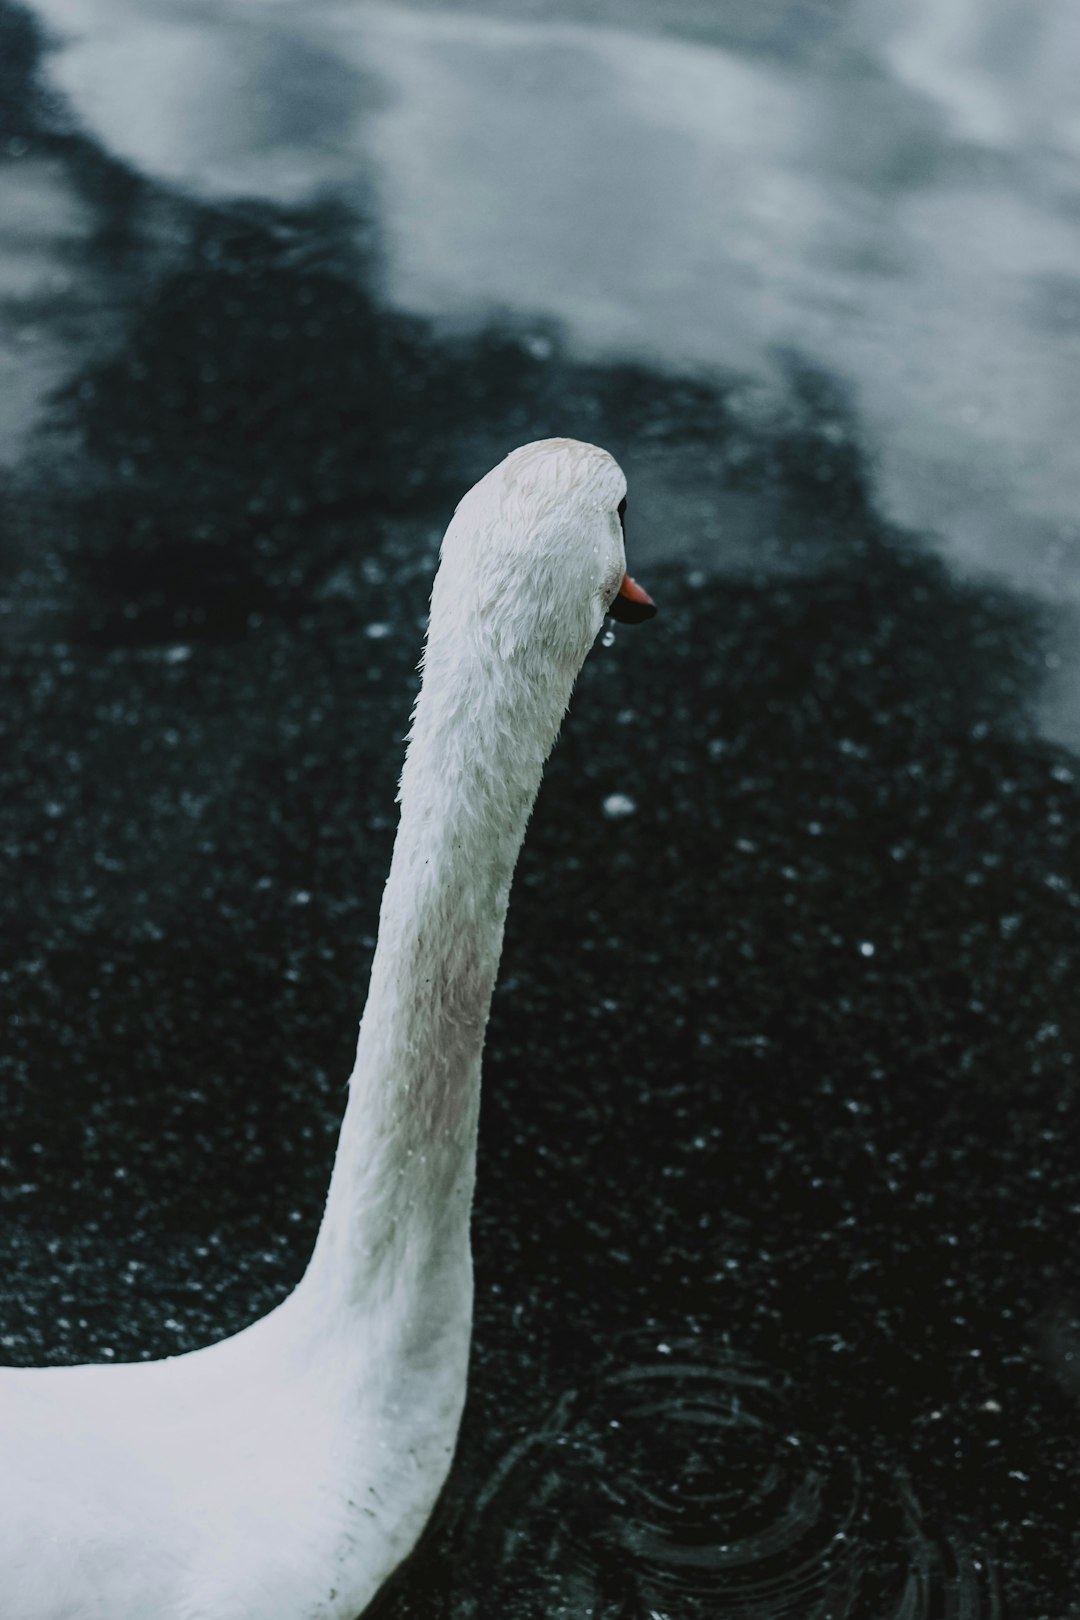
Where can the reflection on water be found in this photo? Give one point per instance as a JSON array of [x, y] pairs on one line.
[[43, 335], [899, 209], [685, 1483], [1005, 77]]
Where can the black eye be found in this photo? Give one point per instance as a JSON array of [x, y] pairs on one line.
[[622, 513]]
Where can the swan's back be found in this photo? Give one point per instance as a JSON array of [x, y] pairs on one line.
[[176, 1490]]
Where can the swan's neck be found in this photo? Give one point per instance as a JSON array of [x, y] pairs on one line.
[[395, 1235]]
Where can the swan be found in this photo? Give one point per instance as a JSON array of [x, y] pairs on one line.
[[283, 1473]]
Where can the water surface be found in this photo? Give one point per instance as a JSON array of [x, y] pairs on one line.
[[776, 1224]]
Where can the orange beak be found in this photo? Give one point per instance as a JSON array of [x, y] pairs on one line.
[[632, 605]]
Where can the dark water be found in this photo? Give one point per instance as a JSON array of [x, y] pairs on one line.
[[685, 1483], [776, 1231]]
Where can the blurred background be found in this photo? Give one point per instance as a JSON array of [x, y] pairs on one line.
[[776, 1230]]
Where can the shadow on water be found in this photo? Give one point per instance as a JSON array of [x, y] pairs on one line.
[[263, 419], [262, 412], [775, 1224]]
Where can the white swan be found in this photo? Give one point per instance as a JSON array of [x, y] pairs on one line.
[[283, 1473]]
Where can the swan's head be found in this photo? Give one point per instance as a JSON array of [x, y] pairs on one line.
[[535, 556]]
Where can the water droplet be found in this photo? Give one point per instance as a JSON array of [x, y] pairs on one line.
[[618, 805], [866, 948], [608, 638], [377, 631]]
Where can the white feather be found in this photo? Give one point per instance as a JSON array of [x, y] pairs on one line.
[[282, 1474]]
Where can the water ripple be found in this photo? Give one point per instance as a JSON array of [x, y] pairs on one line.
[[682, 1488]]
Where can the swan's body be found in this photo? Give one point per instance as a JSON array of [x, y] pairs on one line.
[[282, 1474]]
